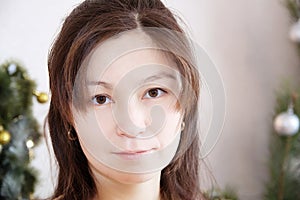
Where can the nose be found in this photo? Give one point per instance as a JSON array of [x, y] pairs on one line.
[[138, 114], [132, 119]]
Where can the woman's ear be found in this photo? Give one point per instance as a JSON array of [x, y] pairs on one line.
[[182, 125]]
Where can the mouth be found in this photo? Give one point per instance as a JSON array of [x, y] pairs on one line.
[[133, 155]]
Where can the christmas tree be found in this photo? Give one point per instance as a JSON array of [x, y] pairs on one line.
[[19, 132], [284, 162]]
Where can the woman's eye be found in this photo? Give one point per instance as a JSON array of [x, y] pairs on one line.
[[101, 100], [154, 93]]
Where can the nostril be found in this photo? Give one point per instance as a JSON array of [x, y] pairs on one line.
[[129, 133]]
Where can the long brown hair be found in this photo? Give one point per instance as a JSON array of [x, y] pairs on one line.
[[92, 22]]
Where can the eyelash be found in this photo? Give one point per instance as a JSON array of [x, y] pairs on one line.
[[95, 98], [161, 90]]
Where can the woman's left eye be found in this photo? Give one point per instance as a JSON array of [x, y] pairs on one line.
[[154, 93]]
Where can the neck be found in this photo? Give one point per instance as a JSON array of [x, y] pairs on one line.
[[112, 190]]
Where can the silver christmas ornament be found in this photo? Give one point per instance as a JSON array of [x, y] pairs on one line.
[[12, 68], [295, 32], [287, 123]]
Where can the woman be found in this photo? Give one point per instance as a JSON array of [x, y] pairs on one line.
[[123, 112]]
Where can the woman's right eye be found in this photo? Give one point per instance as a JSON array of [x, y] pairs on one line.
[[101, 100]]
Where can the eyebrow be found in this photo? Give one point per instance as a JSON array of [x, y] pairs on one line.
[[148, 79], [159, 76], [101, 83]]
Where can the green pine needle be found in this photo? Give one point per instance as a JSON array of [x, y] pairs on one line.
[[17, 178]]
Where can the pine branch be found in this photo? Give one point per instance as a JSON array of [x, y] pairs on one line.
[[283, 168], [17, 178], [293, 8]]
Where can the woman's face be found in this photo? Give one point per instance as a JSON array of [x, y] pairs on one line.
[[131, 126]]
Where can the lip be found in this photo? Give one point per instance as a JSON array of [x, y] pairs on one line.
[[133, 155]]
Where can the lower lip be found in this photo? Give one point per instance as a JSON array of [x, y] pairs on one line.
[[133, 156]]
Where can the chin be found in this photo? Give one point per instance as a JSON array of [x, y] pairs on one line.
[[130, 178], [122, 177]]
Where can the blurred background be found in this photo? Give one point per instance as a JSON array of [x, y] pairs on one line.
[[250, 43]]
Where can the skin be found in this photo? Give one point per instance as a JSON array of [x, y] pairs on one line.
[[124, 140]]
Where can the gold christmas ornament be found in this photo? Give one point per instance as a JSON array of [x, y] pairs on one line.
[[4, 136], [41, 97]]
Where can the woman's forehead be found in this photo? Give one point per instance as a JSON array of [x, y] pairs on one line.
[[131, 51], [115, 47], [140, 62]]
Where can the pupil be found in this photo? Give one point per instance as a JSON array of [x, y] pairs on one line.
[[101, 99], [153, 93]]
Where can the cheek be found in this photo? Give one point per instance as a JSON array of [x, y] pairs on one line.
[[93, 130], [171, 129], [105, 121]]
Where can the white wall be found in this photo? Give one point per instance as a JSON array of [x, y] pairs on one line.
[[248, 41], [27, 30]]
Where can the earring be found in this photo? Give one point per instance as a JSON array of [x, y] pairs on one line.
[[70, 135], [182, 126]]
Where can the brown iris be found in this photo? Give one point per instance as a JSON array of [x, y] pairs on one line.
[[153, 92], [100, 99]]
